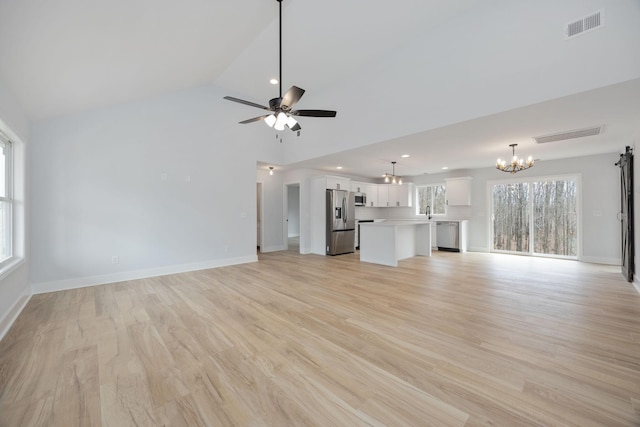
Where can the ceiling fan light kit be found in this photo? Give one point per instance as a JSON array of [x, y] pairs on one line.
[[281, 112], [516, 165]]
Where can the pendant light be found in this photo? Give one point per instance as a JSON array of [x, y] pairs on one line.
[[392, 178]]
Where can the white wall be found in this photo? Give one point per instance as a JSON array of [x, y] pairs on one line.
[[14, 284], [165, 185]]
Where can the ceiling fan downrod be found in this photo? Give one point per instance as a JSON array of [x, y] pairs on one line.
[[280, 51]]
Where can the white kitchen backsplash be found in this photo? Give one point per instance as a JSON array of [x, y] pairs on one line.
[[453, 213]]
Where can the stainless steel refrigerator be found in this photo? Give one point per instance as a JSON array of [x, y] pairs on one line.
[[341, 223]]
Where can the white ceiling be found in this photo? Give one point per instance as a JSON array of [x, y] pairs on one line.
[[66, 56], [480, 142]]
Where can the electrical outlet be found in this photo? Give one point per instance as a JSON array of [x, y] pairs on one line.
[[115, 259], [187, 178], [226, 248], [164, 176]]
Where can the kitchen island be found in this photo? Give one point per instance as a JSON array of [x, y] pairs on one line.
[[387, 242]]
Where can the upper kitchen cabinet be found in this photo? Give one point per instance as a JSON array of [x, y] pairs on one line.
[[405, 195], [359, 187], [338, 183], [372, 195], [395, 195], [383, 195], [458, 191]]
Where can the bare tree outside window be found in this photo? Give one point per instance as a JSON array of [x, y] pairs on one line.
[[432, 196], [538, 217], [555, 218], [511, 217]]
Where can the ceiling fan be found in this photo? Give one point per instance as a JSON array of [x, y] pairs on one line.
[[281, 113]]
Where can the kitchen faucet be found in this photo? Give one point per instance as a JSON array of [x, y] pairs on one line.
[[428, 212]]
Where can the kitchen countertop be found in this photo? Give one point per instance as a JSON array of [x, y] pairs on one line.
[[394, 222]]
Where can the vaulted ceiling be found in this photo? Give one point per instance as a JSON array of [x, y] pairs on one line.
[[450, 83]]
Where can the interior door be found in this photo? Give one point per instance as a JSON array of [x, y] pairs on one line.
[[626, 213]]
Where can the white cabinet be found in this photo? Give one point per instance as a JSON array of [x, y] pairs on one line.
[[359, 187], [458, 191], [434, 235], [372, 195], [404, 195], [383, 195], [338, 183], [395, 195]]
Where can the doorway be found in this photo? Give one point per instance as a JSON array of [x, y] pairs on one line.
[[292, 211], [258, 215]]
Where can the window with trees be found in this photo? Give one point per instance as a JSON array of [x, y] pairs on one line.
[[431, 196], [537, 217], [6, 201]]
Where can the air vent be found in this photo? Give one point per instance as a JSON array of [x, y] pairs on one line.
[[580, 133], [586, 24]]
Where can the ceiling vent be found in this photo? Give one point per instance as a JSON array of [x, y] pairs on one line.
[[580, 133], [586, 24]]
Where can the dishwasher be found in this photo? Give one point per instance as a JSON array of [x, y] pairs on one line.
[[448, 236]]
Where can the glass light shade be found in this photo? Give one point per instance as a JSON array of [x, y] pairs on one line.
[[291, 122], [386, 178], [270, 120], [281, 120]]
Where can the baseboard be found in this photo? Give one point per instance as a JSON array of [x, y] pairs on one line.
[[13, 314], [266, 249], [83, 282], [599, 260]]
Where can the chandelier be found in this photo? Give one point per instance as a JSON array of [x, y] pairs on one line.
[[516, 164], [392, 178]]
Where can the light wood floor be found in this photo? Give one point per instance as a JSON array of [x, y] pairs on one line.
[[304, 340]]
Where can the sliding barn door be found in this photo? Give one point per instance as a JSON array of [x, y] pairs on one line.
[[626, 213]]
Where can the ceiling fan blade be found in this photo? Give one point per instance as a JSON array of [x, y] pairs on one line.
[[242, 101], [255, 119], [290, 98], [314, 113]]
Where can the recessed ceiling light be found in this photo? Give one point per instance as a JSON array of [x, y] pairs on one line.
[[405, 156], [338, 167], [444, 168], [273, 81]]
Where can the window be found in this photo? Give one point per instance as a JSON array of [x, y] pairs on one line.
[[432, 197], [6, 201], [538, 217]]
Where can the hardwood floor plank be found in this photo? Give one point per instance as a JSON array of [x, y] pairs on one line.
[[309, 340], [77, 394]]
